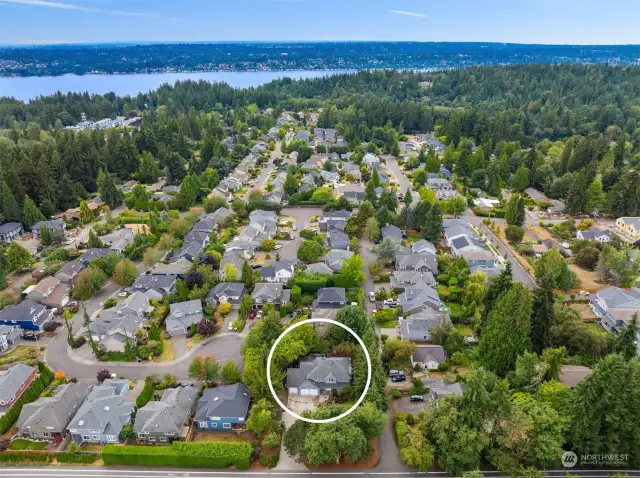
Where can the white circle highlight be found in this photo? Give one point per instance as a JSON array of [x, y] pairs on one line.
[[316, 420]]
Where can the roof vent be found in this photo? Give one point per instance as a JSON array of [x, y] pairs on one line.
[[215, 399], [107, 408], [81, 422]]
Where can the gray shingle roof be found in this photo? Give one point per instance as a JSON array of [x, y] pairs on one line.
[[25, 311], [9, 227], [270, 270], [331, 295], [319, 268], [232, 289], [54, 224], [224, 401], [169, 414], [320, 372], [104, 409], [184, 314], [12, 379], [337, 239], [425, 353], [92, 254], [52, 414], [391, 231]]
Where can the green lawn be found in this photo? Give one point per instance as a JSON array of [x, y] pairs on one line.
[[20, 353], [595, 327], [387, 324], [464, 329], [22, 444]]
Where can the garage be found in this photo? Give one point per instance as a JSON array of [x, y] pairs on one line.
[[308, 391]]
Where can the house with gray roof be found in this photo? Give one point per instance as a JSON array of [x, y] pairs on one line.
[[417, 328], [183, 315], [10, 231], [329, 177], [156, 286], [418, 298], [481, 259], [10, 335], [423, 245], [270, 293], [13, 383], [337, 219], [28, 315], [319, 268], [223, 408], [428, 357], [189, 251], [56, 225], [392, 232], [119, 240], [48, 417], [177, 268], [593, 234], [466, 243], [416, 262], [103, 414], [337, 239], [279, 271], [354, 197], [331, 298], [615, 307], [401, 280], [319, 375], [231, 292], [91, 255], [220, 216], [439, 388], [371, 160], [69, 272], [167, 419], [336, 257]]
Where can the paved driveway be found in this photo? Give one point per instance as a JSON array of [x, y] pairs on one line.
[[180, 348], [301, 216]]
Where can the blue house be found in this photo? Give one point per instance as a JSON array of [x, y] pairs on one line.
[[28, 315], [223, 408]]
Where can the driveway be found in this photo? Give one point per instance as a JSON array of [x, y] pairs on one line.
[[405, 405], [180, 348]]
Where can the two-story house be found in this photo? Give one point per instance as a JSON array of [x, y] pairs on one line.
[[10, 231], [231, 292], [155, 286], [337, 219], [51, 292], [183, 315], [69, 272], [615, 307], [13, 383], [167, 419], [10, 335], [28, 315], [319, 375], [628, 228], [56, 225], [280, 271], [103, 415], [270, 293], [223, 408]]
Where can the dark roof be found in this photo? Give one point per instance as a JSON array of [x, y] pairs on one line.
[[224, 401], [320, 372], [12, 380], [226, 288], [336, 214], [270, 270], [91, 254], [391, 231], [332, 294], [24, 311], [9, 227], [424, 353]]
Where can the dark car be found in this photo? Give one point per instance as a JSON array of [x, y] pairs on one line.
[[417, 398], [256, 266], [397, 378], [29, 335]]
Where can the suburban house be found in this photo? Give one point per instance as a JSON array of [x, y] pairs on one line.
[[223, 408], [456, 227], [336, 257], [231, 292], [392, 232], [336, 219], [486, 203], [331, 298], [56, 225], [627, 227], [615, 308], [91, 255], [354, 197], [28, 315], [329, 177], [182, 316], [401, 280], [119, 240], [481, 259], [10, 231], [319, 375], [280, 271], [116, 326], [268, 293], [167, 419], [48, 417], [69, 272], [319, 268], [205, 225], [262, 225], [233, 257], [51, 292], [438, 388], [13, 382], [429, 357], [371, 160], [417, 328], [10, 335], [103, 414], [419, 298], [220, 216], [177, 268], [466, 243], [593, 234], [155, 286], [337, 239], [422, 246], [416, 262]]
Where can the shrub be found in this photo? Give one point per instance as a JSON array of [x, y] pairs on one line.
[[224, 308], [103, 374], [514, 234], [51, 326], [410, 419], [110, 302], [395, 393], [79, 341], [181, 454], [21, 457], [146, 394], [272, 440], [66, 457], [443, 367]]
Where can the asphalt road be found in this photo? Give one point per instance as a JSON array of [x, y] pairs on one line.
[[398, 174], [266, 171]]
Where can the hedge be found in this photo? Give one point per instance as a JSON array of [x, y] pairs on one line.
[[181, 454], [66, 457], [146, 394], [497, 213], [30, 394], [7, 456]]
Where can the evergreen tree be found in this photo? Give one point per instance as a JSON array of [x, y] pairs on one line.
[[433, 227], [94, 241], [408, 198], [497, 286], [148, 170], [625, 343], [9, 209], [375, 178], [109, 193], [370, 193], [31, 214], [247, 276], [543, 317], [189, 190], [618, 153], [515, 214], [85, 215], [520, 180], [566, 156]]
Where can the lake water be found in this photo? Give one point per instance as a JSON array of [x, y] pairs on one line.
[[28, 88]]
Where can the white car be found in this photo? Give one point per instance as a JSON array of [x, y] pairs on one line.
[[566, 245], [372, 296], [278, 246], [123, 294], [295, 228], [231, 327]]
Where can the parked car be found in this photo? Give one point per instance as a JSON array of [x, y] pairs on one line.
[[295, 228], [397, 378], [417, 398], [30, 335], [256, 266], [566, 245], [252, 315], [372, 297], [278, 246], [231, 327], [123, 294], [391, 303], [396, 373]]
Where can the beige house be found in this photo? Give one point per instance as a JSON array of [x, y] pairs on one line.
[[628, 228]]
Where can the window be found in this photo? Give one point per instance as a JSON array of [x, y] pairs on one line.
[[226, 425], [203, 424], [112, 438], [164, 439], [152, 439], [86, 437], [214, 425], [170, 433], [95, 437], [141, 436]]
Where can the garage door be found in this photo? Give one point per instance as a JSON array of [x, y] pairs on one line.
[[304, 391], [293, 391]]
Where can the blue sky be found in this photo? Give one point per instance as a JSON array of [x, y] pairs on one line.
[[522, 21]]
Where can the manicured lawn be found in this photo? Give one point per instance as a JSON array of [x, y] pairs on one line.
[[388, 324], [456, 309], [167, 352], [22, 444], [595, 327], [464, 329], [91, 447], [19, 353]]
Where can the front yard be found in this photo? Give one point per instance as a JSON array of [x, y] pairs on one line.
[[20, 353], [24, 444]]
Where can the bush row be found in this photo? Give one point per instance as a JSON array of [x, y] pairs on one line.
[[179, 454], [66, 457], [146, 394], [22, 456], [497, 213]]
